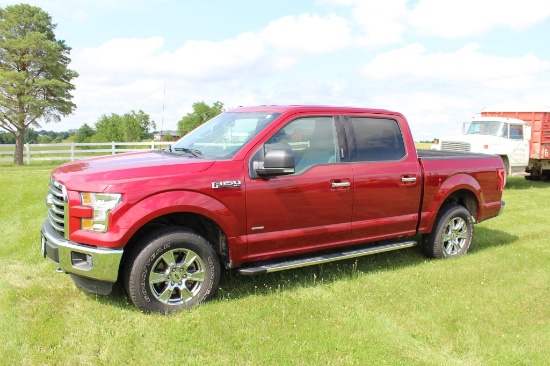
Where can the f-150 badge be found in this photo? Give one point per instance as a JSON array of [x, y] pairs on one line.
[[227, 184]]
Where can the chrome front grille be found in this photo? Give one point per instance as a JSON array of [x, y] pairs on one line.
[[56, 201], [455, 145]]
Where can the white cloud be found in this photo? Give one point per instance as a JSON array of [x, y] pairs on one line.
[[383, 22], [466, 65], [277, 47], [307, 34], [474, 17], [120, 56], [225, 59], [387, 22]]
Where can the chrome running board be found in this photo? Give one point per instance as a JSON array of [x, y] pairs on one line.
[[309, 261]]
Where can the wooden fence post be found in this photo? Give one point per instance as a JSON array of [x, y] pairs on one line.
[[28, 150]]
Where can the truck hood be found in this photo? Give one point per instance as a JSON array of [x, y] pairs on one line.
[[96, 174], [477, 139]]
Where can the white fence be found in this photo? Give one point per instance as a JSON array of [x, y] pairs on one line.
[[75, 151]]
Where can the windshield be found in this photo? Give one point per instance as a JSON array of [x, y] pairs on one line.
[[488, 128], [224, 135]]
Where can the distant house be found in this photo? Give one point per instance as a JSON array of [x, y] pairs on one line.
[[161, 136]]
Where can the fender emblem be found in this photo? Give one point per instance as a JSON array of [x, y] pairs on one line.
[[227, 184]]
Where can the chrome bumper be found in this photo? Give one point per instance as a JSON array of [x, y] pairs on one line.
[[82, 260]]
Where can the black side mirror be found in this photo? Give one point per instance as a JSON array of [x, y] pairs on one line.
[[276, 162]]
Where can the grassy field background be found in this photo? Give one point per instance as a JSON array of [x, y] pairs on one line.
[[490, 307]]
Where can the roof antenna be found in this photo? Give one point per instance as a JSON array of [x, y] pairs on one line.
[[162, 116]]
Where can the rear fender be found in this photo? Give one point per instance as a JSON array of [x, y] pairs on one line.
[[452, 184]]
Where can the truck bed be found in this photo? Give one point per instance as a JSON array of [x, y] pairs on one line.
[[425, 154]]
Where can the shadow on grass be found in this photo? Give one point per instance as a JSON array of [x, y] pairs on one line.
[[235, 286], [485, 238], [117, 298], [520, 183]]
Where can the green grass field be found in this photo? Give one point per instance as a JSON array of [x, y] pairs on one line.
[[490, 307]]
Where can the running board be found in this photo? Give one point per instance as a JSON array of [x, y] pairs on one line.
[[309, 261]]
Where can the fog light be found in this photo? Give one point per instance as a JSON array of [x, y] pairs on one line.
[[82, 261]]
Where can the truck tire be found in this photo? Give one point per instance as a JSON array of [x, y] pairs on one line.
[[452, 233], [173, 270]]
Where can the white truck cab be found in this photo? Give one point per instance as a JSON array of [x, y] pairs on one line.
[[505, 137]]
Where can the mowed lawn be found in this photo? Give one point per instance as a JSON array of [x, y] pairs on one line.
[[490, 307]]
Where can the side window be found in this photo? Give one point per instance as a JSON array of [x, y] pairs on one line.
[[312, 140], [516, 132], [378, 139]]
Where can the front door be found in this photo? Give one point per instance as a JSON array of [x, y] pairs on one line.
[[307, 210]]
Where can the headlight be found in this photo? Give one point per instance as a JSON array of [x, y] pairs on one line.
[[102, 204]]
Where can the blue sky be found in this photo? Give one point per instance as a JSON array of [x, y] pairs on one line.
[[439, 62]]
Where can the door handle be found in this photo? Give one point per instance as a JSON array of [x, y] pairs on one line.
[[340, 184], [408, 179]]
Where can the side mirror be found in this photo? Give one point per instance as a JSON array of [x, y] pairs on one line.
[[276, 162]]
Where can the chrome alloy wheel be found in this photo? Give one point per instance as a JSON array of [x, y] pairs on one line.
[[177, 276], [454, 235]]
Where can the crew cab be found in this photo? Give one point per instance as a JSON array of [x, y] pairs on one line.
[[262, 189]]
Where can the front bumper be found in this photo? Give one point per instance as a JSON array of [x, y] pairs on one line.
[[94, 263]]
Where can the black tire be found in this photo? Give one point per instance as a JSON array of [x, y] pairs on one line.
[[452, 233], [174, 269]]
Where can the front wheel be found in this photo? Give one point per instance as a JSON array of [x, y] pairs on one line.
[[174, 270], [452, 233]]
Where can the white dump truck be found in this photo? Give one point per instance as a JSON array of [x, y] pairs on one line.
[[520, 136]]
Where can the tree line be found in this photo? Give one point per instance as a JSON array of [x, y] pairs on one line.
[[129, 127]]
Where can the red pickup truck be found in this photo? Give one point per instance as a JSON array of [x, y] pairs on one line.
[[261, 189]]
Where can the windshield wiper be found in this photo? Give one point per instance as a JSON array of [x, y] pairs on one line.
[[196, 153]]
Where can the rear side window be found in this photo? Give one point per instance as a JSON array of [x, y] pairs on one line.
[[377, 139], [516, 132]]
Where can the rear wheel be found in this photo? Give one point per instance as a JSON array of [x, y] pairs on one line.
[[452, 233], [175, 269]]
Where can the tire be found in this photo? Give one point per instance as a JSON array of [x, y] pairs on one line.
[[452, 233], [175, 269]]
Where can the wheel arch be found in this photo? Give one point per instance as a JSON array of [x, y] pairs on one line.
[[200, 224], [506, 163], [466, 198], [197, 212], [461, 189]]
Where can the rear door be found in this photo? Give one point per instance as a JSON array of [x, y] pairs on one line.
[[310, 209], [387, 179]]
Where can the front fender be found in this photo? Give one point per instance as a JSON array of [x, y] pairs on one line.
[[125, 223]]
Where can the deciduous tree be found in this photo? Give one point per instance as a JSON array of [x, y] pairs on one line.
[[129, 127], [35, 81], [84, 134], [202, 112]]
